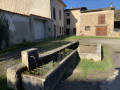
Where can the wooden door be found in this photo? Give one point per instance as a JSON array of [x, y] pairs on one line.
[[101, 31]]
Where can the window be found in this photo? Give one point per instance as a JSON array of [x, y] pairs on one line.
[[68, 14], [68, 21], [74, 31], [54, 30], [117, 26], [67, 31], [87, 28], [60, 15], [101, 19], [54, 14], [60, 30]]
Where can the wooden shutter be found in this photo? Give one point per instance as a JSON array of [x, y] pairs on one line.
[[101, 19]]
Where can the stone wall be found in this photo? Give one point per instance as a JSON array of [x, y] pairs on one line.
[[90, 52], [49, 81], [31, 60], [91, 19]]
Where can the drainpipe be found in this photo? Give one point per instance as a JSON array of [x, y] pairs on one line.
[[78, 32]]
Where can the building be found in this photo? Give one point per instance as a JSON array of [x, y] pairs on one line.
[[56, 24], [32, 20], [97, 22], [72, 20], [27, 19]]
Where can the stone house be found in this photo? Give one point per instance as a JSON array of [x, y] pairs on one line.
[[97, 22], [72, 20], [27, 19], [32, 20]]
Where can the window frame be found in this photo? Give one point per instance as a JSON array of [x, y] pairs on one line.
[[68, 14], [60, 14], [60, 30], [68, 21], [87, 28], [54, 13], [74, 30]]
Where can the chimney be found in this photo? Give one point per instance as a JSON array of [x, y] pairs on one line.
[[111, 5], [72, 7]]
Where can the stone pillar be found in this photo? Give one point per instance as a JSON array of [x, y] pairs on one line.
[[14, 76], [30, 58]]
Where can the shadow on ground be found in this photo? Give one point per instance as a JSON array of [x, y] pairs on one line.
[[75, 83], [14, 52]]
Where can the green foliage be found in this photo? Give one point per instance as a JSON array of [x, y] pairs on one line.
[[88, 37], [55, 63], [3, 83], [4, 30]]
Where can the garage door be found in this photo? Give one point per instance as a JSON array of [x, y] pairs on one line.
[[101, 31], [39, 26]]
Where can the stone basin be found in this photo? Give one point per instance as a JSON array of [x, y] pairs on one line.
[[90, 51]]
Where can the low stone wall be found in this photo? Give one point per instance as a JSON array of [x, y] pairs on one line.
[[31, 60], [49, 81], [96, 55], [14, 76]]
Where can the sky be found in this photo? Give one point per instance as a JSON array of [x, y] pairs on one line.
[[91, 4]]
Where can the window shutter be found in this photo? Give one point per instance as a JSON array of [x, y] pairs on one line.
[[101, 19]]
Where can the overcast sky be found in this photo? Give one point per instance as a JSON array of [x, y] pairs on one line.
[[92, 4]]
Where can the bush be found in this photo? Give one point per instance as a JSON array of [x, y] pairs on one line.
[[4, 31]]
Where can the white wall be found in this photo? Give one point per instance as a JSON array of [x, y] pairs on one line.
[[19, 27]]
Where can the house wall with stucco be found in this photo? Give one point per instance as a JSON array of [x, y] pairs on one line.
[[91, 19], [74, 20], [58, 22], [27, 7], [23, 28]]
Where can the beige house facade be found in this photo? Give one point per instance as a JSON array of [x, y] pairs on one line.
[[95, 22], [72, 20], [56, 24], [98, 22]]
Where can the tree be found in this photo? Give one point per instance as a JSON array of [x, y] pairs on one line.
[[4, 31]]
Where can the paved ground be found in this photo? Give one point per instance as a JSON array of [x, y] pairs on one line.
[[103, 81]]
